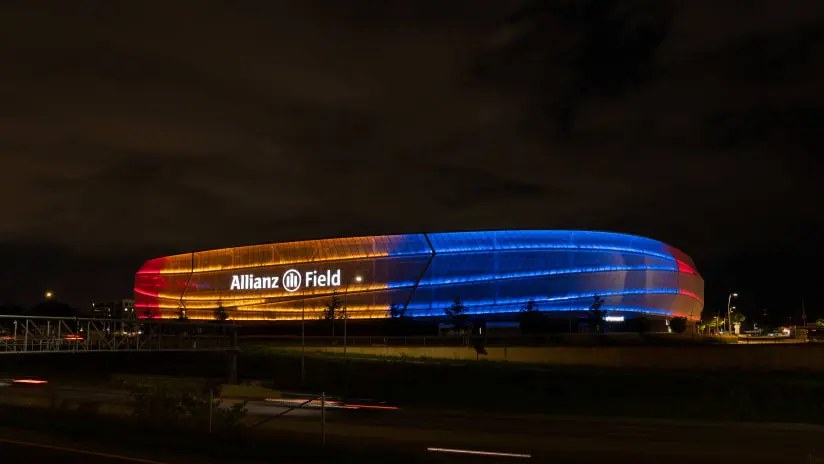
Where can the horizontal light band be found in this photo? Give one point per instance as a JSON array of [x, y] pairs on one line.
[[546, 273], [523, 300]]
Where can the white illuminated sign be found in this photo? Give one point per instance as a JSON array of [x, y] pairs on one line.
[[614, 318], [291, 280]]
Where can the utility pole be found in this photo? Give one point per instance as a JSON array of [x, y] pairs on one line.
[[323, 417], [803, 314], [303, 329], [303, 337], [358, 279]]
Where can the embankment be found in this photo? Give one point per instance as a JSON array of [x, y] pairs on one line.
[[808, 357]]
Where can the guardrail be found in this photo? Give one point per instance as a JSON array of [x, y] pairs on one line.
[[775, 340], [580, 339]]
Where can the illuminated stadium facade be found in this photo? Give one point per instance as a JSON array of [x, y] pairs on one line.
[[494, 273]]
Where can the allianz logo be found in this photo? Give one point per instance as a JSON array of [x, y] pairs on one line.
[[290, 281]]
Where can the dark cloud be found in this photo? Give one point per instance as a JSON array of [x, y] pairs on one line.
[[140, 128]]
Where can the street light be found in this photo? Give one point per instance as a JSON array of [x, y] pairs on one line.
[[729, 308], [49, 295], [358, 279], [303, 329]]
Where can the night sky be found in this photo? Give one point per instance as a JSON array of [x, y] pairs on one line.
[[130, 130]]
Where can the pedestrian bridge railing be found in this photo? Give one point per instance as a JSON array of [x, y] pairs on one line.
[[34, 334]]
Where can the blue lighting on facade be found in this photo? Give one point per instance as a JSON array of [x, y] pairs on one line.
[[550, 272], [443, 304], [495, 272], [462, 242], [409, 244]]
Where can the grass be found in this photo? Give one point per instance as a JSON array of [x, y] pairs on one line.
[[671, 393]]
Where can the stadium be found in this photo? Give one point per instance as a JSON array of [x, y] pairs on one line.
[[494, 273]]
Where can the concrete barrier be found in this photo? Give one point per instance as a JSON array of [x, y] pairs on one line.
[[757, 357]]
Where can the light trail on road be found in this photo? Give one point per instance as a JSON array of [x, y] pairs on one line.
[[480, 453], [79, 451]]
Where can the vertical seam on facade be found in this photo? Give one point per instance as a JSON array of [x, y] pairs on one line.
[[423, 273], [188, 282]]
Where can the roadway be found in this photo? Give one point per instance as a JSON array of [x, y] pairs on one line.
[[541, 437], [546, 437], [17, 451]]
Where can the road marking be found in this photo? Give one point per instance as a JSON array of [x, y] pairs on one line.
[[79, 451], [480, 453]]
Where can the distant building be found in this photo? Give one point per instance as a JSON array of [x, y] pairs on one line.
[[115, 309]]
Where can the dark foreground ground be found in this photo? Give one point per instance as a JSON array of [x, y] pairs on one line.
[[28, 453], [550, 414], [782, 396], [530, 439]]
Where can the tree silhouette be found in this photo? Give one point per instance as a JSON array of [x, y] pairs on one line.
[[11, 310], [597, 316], [737, 318], [641, 325], [714, 323], [531, 319], [220, 313], [458, 314], [399, 321], [397, 311], [332, 310], [678, 324], [53, 308]]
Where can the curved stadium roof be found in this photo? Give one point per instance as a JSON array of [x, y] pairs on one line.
[[493, 272]]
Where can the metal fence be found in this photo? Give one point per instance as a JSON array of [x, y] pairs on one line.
[[20, 335]]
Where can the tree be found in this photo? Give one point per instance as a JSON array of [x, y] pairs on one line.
[[737, 318], [11, 310], [678, 324], [714, 323], [399, 320], [819, 323], [332, 310], [52, 308], [220, 313], [397, 311], [458, 314], [597, 316], [641, 325], [532, 320]]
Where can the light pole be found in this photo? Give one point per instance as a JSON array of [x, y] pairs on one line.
[[358, 279], [303, 337], [303, 329], [729, 301]]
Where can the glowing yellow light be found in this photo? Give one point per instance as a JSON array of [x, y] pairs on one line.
[[49, 294]]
